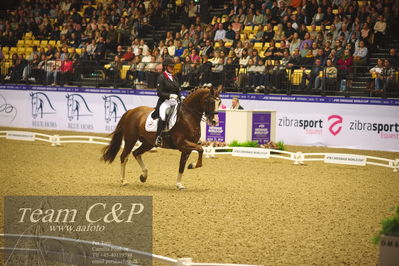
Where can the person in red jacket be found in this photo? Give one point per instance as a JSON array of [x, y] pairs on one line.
[[344, 65]]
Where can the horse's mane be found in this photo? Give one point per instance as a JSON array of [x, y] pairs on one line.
[[194, 93]]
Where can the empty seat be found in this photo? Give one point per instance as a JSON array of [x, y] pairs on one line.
[[20, 43]]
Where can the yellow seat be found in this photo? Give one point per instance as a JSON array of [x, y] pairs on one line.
[[36, 43], [242, 70], [309, 28], [28, 36], [28, 43], [275, 28], [278, 45], [258, 45], [20, 43], [79, 50], [21, 50], [266, 45], [13, 50], [58, 44], [52, 43], [43, 43], [296, 77], [248, 29], [5, 49], [107, 66], [251, 36], [228, 44], [318, 28], [28, 50], [335, 11], [217, 45], [124, 70]]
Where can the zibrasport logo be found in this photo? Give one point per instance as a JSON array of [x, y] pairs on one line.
[[335, 127]]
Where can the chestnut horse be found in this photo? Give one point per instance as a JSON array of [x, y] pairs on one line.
[[184, 136]]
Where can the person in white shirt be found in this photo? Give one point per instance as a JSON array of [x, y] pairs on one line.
[[220, 33]]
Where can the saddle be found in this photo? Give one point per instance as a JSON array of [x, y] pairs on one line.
[[171, 118]]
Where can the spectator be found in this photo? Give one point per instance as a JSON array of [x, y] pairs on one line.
[[66, 70], [360, 56], [53, 68], [260, 69], [187, 72], [393, 58], [386, 78], [330, 75], [220, 33], [113, 72], [217, 72], [311, 77], [151, 74], [344, 65], [375, 71], [251, 74], [128, 56], [379, 32]]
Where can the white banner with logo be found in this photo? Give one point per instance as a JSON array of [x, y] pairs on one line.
[[301, 120]]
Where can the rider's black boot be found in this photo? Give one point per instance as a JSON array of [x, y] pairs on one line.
[[160, 127]]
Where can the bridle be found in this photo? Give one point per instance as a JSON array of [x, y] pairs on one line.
[[208, 104]]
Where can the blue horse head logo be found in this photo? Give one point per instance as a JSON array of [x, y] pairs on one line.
[[41, 104], [114, 107], [77, 106]]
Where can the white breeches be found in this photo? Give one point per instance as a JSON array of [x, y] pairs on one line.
[[164, 106]]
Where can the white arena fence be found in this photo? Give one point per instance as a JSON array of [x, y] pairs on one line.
[[65, 244], [297, 158]]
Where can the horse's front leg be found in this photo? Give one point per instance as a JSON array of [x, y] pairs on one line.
[[198, 164], [183, 159]]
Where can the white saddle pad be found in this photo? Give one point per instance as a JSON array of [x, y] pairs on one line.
[[151, 124]]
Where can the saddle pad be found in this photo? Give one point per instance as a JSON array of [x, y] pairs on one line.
[[151, 124]]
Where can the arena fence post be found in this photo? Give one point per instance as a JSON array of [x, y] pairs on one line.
[[184, 262]]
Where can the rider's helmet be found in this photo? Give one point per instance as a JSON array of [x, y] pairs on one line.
[[168, 61]]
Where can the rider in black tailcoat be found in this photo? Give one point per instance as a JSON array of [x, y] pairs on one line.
[[168, 87]]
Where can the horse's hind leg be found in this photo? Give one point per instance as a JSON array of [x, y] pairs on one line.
[[124, 158], [145, 146]]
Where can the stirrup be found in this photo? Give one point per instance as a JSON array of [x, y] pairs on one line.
[[158, 141]]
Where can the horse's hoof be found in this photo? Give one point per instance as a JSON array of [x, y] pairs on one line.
[[143, 178], [180, 186], [191, 166]]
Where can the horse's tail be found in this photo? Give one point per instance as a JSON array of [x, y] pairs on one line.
[[111, 150]]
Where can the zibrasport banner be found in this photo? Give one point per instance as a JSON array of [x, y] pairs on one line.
[[357, 123]]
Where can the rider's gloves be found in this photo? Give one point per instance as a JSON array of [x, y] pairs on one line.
[[173, 96]]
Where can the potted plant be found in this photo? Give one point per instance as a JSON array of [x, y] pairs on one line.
[[388, 239]]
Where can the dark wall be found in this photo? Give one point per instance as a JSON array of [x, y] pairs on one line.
[[9, 4]]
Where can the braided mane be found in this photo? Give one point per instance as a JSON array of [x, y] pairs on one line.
[[194, 93]]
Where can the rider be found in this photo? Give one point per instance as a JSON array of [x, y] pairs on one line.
[[168, 87]]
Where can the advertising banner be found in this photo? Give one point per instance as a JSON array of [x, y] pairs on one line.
[[261, 127], [218, 132]]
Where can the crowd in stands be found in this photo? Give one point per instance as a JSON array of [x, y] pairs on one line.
[[251, 45]]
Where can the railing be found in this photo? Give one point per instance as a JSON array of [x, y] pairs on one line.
[[300, 158], [210, 152], [62, 250], [233, 77]]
